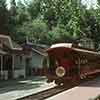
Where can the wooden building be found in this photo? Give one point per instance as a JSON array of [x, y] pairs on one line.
[[35, 64], [12, 59]]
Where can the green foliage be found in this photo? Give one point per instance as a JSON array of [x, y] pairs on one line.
[[34, 9], [35, 30], [39, 30], [90, 25], [50, 21], [56, 11], [55, 34], [4, 15]]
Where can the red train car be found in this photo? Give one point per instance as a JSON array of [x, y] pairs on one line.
[[67, 62]]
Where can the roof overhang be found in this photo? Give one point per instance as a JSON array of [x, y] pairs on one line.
[[40, 53], [6, 40], [2, 52], [67, 45]]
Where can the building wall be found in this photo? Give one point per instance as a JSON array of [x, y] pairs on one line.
[[37, 60], [19, 62], [19, 66]]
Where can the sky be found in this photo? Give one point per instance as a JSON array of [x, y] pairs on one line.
[[8, 2], [88, 3]]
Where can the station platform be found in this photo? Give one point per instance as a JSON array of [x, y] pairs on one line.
[[15, 89], [86, 91]]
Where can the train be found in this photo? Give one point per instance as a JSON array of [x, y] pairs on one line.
[[67, 62]]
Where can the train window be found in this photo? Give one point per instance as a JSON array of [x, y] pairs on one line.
[[52, 61], [76, 62], [83, 61], [46, 62], [86, 61]]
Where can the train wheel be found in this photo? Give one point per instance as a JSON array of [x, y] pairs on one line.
[[57, 82], [48, 81]]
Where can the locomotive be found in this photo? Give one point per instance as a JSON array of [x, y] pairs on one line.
[[68, 62]]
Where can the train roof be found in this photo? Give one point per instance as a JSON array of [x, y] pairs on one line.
[[86, 51], [73, 48], [68, 45]]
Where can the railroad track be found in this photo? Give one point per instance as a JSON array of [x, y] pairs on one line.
[[51, 92], [47, 93]]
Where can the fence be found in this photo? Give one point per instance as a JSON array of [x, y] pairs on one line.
[[4, 75]]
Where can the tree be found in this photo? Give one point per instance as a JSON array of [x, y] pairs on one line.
[[35, 30], [18, 16], [53, 13], [33, 8], [4, 16], [51, 21], [90, 25]]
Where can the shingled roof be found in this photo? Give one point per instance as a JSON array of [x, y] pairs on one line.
[[38, 48]]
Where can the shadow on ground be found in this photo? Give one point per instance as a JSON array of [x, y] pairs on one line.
[[21, 84], [91, 83]]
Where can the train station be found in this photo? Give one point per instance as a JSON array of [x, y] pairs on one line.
[[86, 91], [21, 89], [63, 66], [49, 49]]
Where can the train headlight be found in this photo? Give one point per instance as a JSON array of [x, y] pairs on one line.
[[60, 71]]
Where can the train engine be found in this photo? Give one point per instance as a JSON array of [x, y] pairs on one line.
[[66, 64]]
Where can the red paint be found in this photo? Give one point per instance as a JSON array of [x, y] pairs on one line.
[[66, 63]]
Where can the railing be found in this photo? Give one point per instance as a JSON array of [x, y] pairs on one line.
[[19, 73], [19, 66], [4, 74]]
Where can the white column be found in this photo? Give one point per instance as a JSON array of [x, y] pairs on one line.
[[13, 58], [23, 57], [1, 66]]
